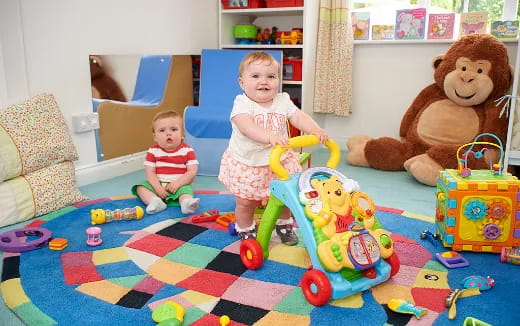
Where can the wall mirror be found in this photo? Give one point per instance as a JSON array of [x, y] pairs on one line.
[[128, 90]]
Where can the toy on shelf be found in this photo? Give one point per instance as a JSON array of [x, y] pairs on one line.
[[263, 37], [406, 307], [477, 209], [243, 4], [100, 216], [170, 313], [244, 34], [292, 69], [349, 250], [94, 236], [452, 259], [293, 37], [510, 255], [11, 241], [58, 244]]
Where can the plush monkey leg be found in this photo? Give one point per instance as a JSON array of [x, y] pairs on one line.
[[387, 153], [424, 169], [356, 150]]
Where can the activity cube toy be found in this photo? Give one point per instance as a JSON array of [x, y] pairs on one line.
[[478, 210]]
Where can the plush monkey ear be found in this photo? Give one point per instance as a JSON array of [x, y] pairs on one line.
[[95, 60], [437, 61]]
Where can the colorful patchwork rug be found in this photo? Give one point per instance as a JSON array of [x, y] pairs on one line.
[[142, 263]]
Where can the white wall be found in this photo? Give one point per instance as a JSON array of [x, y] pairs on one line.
[[46, 43], [45, 46], [386, 79]]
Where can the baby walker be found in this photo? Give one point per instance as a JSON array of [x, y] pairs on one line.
[[349, 250]]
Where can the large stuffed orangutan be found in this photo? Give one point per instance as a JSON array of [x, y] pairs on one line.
[[451, 112]]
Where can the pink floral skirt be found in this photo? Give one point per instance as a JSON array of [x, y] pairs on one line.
[[252, 182]]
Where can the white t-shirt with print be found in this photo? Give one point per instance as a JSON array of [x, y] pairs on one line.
[[273, 119]]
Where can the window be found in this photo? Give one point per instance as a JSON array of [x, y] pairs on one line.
[[383, 11]]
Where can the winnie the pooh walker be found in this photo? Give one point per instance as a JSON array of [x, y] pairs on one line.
[[349, 250]]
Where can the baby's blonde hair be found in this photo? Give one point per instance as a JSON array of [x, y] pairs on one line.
[[164, 115], [254, 57]]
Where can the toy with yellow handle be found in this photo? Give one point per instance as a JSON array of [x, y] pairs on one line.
[[274, 209], [100, 216], [344, 262], [302, 141]]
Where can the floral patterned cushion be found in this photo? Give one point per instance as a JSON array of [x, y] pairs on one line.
[[33, 135], [38, 193]]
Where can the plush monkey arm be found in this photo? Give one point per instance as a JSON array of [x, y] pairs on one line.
[[428, 94], [493, 124]]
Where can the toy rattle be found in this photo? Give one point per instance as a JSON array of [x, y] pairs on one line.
[[10, 241], [510, 255], [100, 216], [94, 236]]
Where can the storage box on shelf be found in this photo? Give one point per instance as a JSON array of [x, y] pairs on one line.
[[284, 3], [243, 4]]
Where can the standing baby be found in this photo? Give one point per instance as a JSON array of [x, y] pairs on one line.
[[259, 122]]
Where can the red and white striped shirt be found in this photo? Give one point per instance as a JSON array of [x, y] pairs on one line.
[[170, 166]]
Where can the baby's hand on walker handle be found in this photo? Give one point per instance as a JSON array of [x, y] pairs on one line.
[[278, 140], [321, 134]]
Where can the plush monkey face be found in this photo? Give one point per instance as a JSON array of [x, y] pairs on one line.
[[475, 69], [469, 84]]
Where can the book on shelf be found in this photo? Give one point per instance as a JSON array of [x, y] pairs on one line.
[[382, 32], [360, 25], [505, 28], [473, 23], [440, 26], [410, 24]]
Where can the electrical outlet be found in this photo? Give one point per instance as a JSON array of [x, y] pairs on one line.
[[85, 122]]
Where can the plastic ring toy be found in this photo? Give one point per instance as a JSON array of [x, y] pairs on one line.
[[10, 240], [302, 141], [364, 212]]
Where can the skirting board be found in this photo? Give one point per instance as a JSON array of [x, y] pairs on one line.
[[109, 169], [130, 163]]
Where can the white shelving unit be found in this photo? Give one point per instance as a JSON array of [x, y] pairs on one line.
[[513, 157], [285, 19]]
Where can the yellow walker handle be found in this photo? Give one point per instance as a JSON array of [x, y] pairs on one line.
[[302, 141]]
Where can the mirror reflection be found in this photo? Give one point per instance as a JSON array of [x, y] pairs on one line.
[[128, 90]]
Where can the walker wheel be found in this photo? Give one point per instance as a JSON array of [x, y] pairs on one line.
[[251, 254], [316, 287]]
